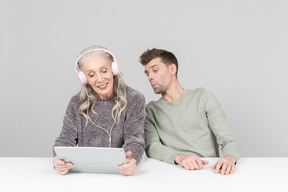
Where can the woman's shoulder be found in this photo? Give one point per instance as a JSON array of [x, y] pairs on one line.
[[75, 100], [134, 95]]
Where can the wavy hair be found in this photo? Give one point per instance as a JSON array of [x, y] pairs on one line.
[[89, 98]]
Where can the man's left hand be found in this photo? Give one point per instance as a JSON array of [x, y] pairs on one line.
[[225, 165]]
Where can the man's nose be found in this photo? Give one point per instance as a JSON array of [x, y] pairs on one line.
[[150, 77]]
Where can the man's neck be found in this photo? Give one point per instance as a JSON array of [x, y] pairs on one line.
[[173, 93]]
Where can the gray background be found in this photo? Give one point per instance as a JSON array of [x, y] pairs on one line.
[[235, 49]]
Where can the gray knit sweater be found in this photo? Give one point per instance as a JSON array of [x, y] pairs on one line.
[[128, 134]]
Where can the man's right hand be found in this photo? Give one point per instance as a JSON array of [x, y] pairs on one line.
[[61, 166], [190, 162]]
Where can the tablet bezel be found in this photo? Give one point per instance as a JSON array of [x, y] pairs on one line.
[[92, 159]]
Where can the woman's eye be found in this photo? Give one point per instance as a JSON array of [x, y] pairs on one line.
[[104, 71], [91, 75]]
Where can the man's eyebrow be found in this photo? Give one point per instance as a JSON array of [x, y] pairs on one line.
[[150, 68]]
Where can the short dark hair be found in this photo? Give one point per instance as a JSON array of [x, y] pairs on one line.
[[167, 57]]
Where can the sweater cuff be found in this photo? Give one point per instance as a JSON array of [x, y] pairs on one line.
[[235, 156], [172, 158]]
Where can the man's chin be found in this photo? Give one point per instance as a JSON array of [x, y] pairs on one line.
[[156, 91]]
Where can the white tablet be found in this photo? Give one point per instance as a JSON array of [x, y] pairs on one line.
[[92, 159]]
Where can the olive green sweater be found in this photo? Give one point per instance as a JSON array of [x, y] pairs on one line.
[[193, 124]]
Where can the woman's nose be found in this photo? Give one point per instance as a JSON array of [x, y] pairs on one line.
[[99, 78]]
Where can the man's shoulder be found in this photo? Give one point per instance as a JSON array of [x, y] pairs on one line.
[[199, 90], [151, 104], [188, 92]]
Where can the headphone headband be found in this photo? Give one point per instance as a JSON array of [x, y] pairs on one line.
[[115, 65]]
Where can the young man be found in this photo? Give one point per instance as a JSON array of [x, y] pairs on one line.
[[184, 125]]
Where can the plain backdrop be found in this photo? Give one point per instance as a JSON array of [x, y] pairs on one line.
[[238, 50]]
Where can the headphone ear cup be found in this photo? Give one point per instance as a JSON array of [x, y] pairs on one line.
[[115, 68], [82, 77]]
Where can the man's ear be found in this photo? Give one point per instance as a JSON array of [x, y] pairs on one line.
[[173, 68]]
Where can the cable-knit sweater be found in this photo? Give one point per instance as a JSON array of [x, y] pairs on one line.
[[127, 134]]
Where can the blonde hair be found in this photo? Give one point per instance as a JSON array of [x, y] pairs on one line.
[[89, 98]]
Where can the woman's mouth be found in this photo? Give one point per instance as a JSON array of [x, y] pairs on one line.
[[103, 86]]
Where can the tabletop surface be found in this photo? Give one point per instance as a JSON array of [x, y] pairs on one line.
[[252, 174]]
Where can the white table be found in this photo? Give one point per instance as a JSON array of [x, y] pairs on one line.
[[252, 174]]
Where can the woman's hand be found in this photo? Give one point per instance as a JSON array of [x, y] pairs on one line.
[[61, 166], [128, 168]]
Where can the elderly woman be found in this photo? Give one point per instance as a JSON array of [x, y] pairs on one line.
[[105, 113]]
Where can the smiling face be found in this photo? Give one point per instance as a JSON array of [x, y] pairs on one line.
[[159, 75], [98, 72]]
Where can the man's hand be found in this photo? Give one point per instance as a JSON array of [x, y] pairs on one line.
[[225, 165], [128, 168], [61, 166], [190, 162]]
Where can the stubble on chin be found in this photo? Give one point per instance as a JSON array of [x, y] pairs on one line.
[[157, 91]]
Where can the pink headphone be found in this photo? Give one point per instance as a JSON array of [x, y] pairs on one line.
[[115, 65]]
